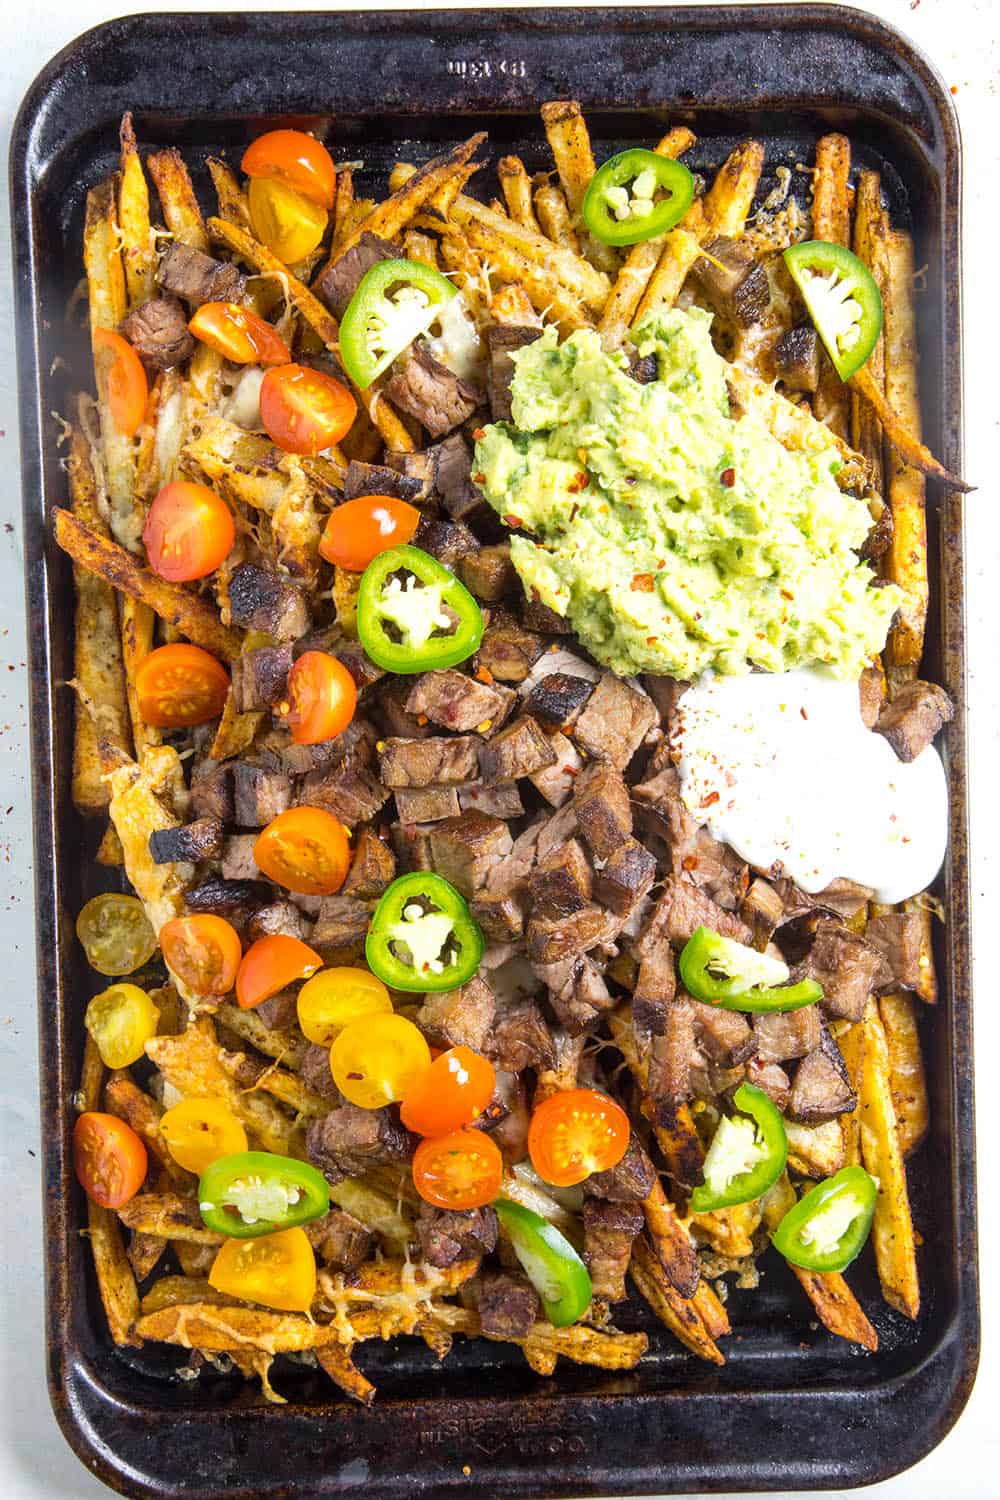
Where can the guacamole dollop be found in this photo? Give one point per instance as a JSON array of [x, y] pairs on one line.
[[674, 538]]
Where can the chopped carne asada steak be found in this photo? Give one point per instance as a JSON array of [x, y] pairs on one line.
[[625, 878], [502, 339], [628, 1182], [427, 804], [158, 333], [871, 695], [772, 1079], [449, 1235], [411, 843], [681, 910], [673, 1053], [340, 1240], [551, 939], [797, 358], [846, 967], [508, 651], [373, 867], [260, 677], [538, 616], [603, 809], [520, 1038], [314, 1070], [577, 991], [339, 282], [428, 390], [508, 1306], [197, 277], [655, 987], [912, 719], [724, 1035], [378, 479], [431, 762], [556, 782], [350, 791], [278, 1012], [464, 849], [459, 703], [500, 917], [615, 722], [341, 928], [557, 700], [212, 791], [489, 573], [452, 464], [562, 883], [608, 1231], [785, 1035], [278, 917], [503, 801], [449, 541], [260, 600], [195, 841], [734, 281], [822, 1086], [462, 1017], [349, 1140], [234, 899], [898, 937], [238, 862], [519, 750], [259, 795], [352, 655]]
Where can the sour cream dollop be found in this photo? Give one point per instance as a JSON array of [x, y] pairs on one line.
[[781, 767]]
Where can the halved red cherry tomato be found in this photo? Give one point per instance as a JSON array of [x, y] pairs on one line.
[[453, 1092], [180, 685], [239, 335], [204, 951], [189, 531], [575, 1133], [272, 964], [320, 700], [303, 410], [296, 158], [128, 388], [304, 849], [362, 528], [109, 1159], [460, 1170]]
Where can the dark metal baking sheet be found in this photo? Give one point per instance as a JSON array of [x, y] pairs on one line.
[[793, 1407]]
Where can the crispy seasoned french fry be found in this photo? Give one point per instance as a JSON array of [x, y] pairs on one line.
[[671, 1241], [640, 262], [836, 1306], [927, 987], [831, 220], [906, 1069], [236, 731], [343, 1372], [137, 621], [679, 1142], [230, 196], [91, 1077], [278, 1082], [177, 198], [221, 1329], [144, 1253], [178, 1291], [375, 1210], [512, 305], [546, 293], [344, 593], [711, 1311], [97, 652], [815, 1150], [343, 203], [516, 187], [870, 229], [729, 1231], [420, 247], [286, 1047], [553, 217], [193, 1064], [852, 1048], [193, 615], [572, 272], [679, 1314], [892, 1230], [194, 1260], [124, 1098], [168, 1215], [909, 447], [137, 248], [115, 1278], [109, 850], [569, 139]]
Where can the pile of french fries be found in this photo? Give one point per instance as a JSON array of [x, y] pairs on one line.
[[524, 256]]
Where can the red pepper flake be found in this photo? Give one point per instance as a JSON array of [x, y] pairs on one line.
[[708, 799], [513, 521], [786, 595], [578, 482], [803, 713], [573, 513], [357, 1076], [479, 433], [690, 862], [483, 674], [643, 583], [728, 478], [422, 720], [651, 640], [479, 478]]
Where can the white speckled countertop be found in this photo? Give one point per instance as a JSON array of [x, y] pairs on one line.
[[962, 37]]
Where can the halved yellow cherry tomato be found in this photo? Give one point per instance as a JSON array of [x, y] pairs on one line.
[[378, 1059], [115, 934], [276, 1270], [121, 1019], [199, 1131], [333, 998], [294, 157], [289, 224]]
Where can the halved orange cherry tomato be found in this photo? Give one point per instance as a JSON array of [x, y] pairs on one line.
[[303, 410], [304, 849], [204, 951], [289, 224], [180, 685], [333, 998], [199, 1131], [128, 388], [575, 1133], [296, 158], [276, 1270], [189, 531], [109, 1159], [460, 1170], [320, 699], [270, 965], [360, 529], [239, 335], [453, 1092], [376, 1060]]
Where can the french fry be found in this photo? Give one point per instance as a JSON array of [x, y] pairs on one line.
[[115, 1277], [194, 616], [109, 850], [178, 1291], [640, 262], [679, 1314], [286, 1047], [141, 797], [137, 248], [729, 1231], [236, 731], [124, 1098], [909, 447], [512, 305], [836, 1305], [815, 1150], [342, 1370], [282, 1085], [546, 293], [572, 272], [563, 1074], [553, 217], [852, 1048], [229, 195], [221, 1329], [569, 140], [927, 986], [375, 1210], [420, 247], [343, 203], [195, 1260], [144, 1253], [671, 1241], [906, 1069], [97, 659], [516, 187], [870, 229], [680, 1146], [831, 220], [344, 593], [169, 1216], [192, 1063], [137, 624], [711, 1311], [892, 1229], [177, 198]]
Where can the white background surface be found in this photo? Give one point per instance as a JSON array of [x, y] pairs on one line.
[[962, 37]]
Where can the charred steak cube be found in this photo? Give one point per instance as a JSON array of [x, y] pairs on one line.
[[411, 844], [260, 600], [503, 801], [197, 277], [258, 794], [314, 1070], [772, 1079], [349, 1140], [796, 358], [898, 937], [503, 340], [615, 722], [500, 917], [846, 967], [628, 1182], [784, 1035], [429, 762], [238, 863], [378, 479], [449, 1235], [681, 910], [508, 651], [195, 841], [278, 1012], [158, 333], [225, 898], [340, 1240], [464, 849], [278, 918], [352, 655], [734, 281], [519, 750], [822, 1086], [562, 883], [603, 809], [673, 1053], [448, 541], [626, 877], [373, 867], [508, 1306], [725, 1035], [339, 282], [577, 991], [556, 782], [340, 930], [655, 987], [260, 677], [452, 460], [212, 791], [454, 701], [429, 391], [489, 573], [558, 699], [520, 1038], [350, 791], [538, 616], [462, 1017], [427, 804], [608, 1232], [551, 939], [911, 719]]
